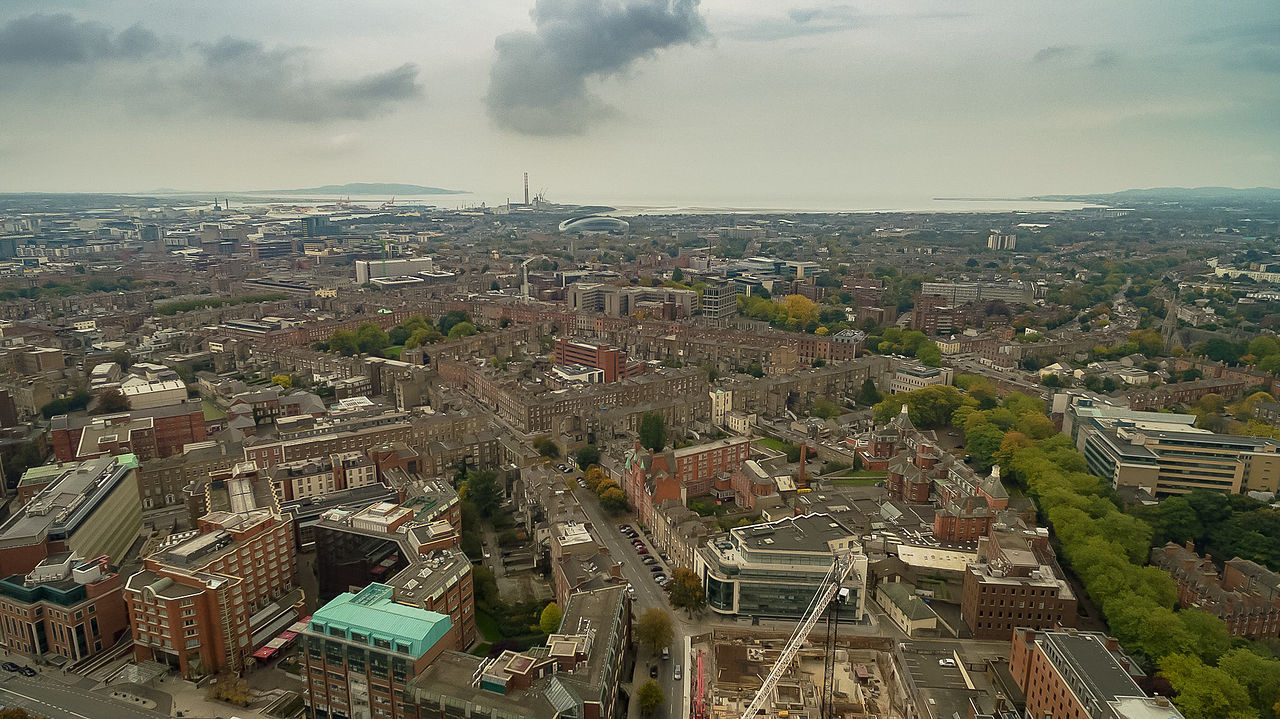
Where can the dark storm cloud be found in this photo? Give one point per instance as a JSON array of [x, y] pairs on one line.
[[233, 76], [538, 83], [61, 39], [245, 78]]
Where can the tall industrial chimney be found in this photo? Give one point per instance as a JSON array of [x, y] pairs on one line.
[[526, 188]]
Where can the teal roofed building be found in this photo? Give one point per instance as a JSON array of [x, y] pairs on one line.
[[377, 644]]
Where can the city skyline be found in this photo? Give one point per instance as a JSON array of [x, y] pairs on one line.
[[857, 103]]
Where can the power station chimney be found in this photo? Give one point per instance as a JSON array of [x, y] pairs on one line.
[[526, 188]]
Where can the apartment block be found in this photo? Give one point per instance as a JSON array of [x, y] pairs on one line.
[[1245, 594], [90, 508], [205, 600], [148, 433], [611, 360], [408, 547], [66, 606], [362, 650], [1081, 675], [314, 477], [650, 478], [1015, 583]]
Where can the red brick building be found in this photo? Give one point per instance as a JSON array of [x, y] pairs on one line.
[[649, 478], [610, 360], [1015, 584], [149, 433], [1080, 675], [204, 600], [1245, 595], [65, 606]]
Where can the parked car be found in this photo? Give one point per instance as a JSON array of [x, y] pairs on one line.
[[624, 527], [656, 569], [27, 671], [659, 578], [653, 671], [641, 550], [946, 662], [9, 667], [666, 653], [649, 560]]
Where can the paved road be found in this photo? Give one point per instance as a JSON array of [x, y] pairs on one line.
[[648, 595], [58, 701]]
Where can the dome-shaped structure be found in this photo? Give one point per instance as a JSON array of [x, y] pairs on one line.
[[595, 224]]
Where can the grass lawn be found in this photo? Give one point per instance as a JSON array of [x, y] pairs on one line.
[[212, 411], [488, 626], [482, 649], [774, 444], [859, 482], [860, 473]]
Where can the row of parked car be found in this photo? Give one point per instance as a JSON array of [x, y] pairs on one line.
[[18, 668], [650, 561]]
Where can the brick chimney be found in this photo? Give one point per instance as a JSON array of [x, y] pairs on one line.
[[803, 477]]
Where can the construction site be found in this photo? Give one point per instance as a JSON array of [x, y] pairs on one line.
[[735, 664]]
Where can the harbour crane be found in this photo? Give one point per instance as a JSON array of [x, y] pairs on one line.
[[830, 595]]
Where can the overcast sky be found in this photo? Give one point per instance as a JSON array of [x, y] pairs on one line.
[[748, 101]]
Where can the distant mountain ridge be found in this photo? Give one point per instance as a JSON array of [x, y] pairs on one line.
[[363, 189], [1177, 194]]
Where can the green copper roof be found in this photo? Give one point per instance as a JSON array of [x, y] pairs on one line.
[[372, 614]]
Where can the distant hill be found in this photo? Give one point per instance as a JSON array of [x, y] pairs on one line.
[[1176, 194], [362, 188]]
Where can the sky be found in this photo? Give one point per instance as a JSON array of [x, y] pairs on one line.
[[753, 102]]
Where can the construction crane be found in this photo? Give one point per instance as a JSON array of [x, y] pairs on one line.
[[829, 595]]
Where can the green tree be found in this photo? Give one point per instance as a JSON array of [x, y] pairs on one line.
[[462, 329], [111, 401], [686, 592], [482, 491], [677, 275], [826, 409], [1212, 638], [549, 622], [282, 380], [588, 456], [653, 630], [650, 696], [1205, 692], [1260, 676], [371, 339], [983, 443], [449, 319], [868, 394], [486, 587], [344, 342], [653, 431], [543, 445]]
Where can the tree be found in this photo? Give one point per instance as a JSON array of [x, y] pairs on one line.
[[371, 339], [613, 501], [486, 587], [462, 329], [482, 490], [826, 409], [1259, 675], [231, 689], [983, 443], [344, 343], [549, 622], [686, 592], [543, 445], [1205, 692], [282, 380], [121, 357], [868, 395], [677, 275], [588, 456], [594, 477], [650, 696], [653, 432], [653, 630], [1212, 638], [451, 318], [113, 400]]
